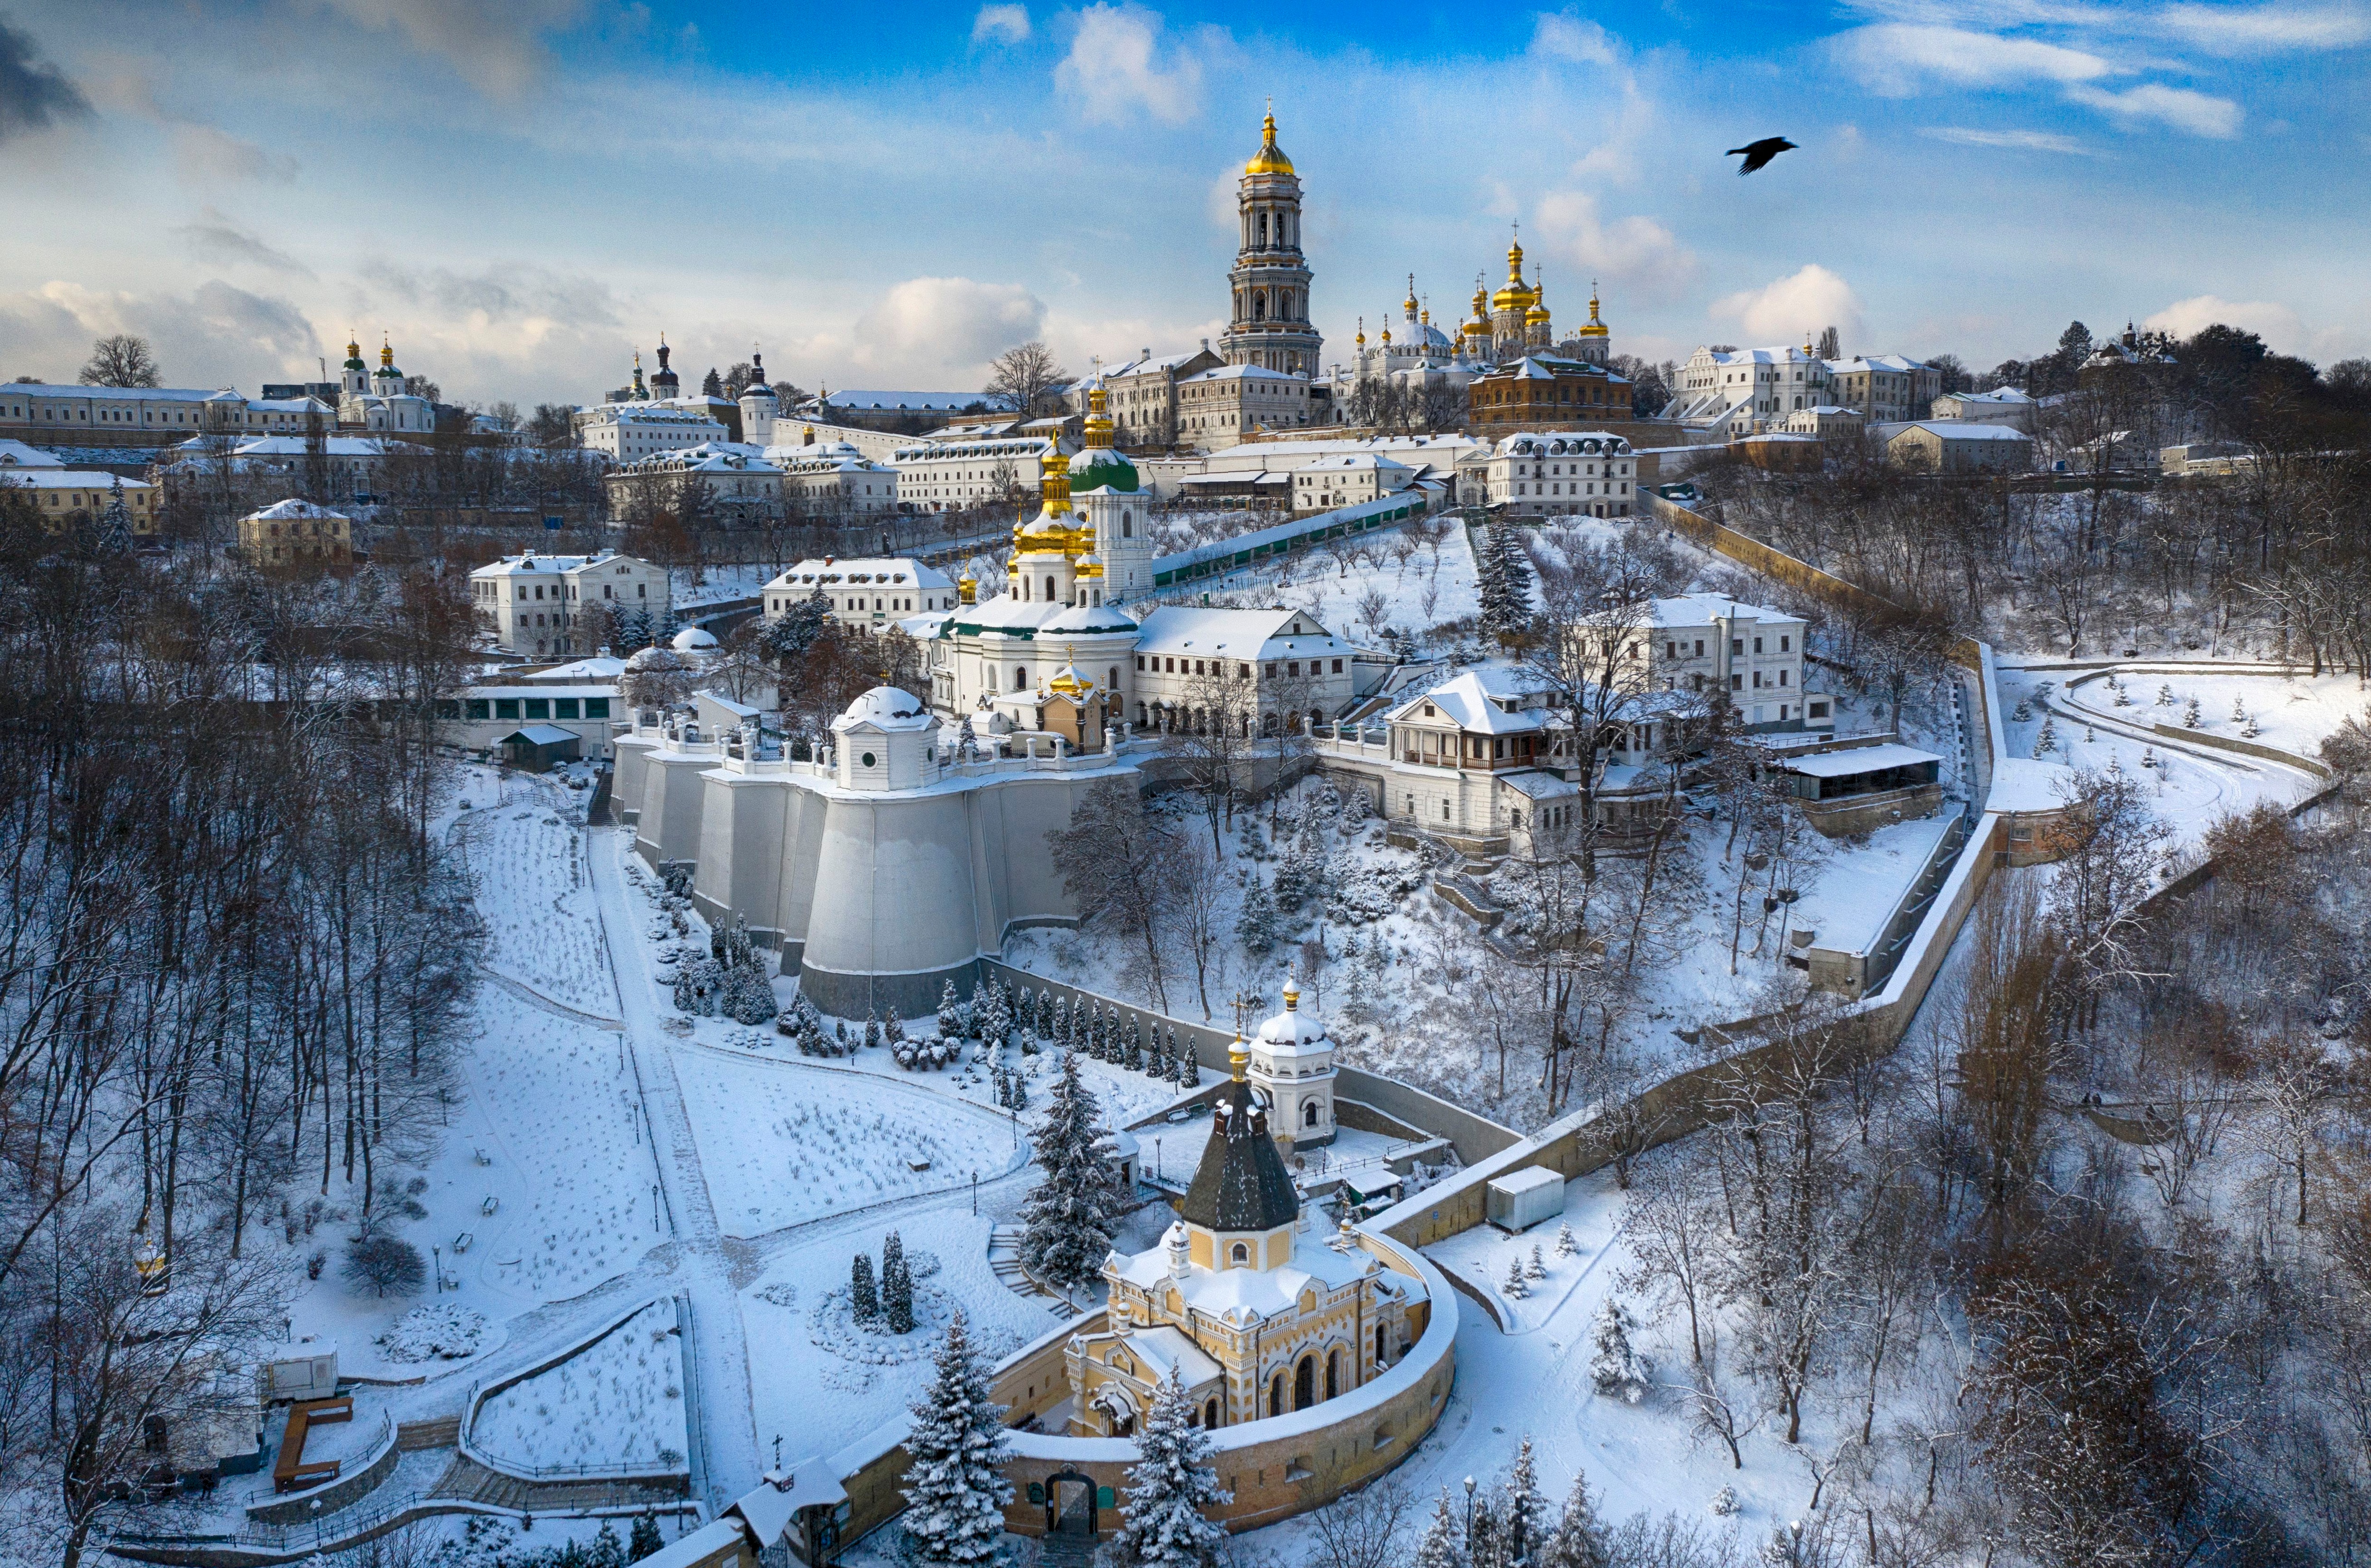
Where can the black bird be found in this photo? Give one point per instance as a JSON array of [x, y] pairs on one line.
[[1758, 154]]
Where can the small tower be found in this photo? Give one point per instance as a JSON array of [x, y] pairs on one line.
[[665, 382], [1293, 1067], [387, 381], [1596, 338], [1241, 1208], [355, 379], [759, 405]]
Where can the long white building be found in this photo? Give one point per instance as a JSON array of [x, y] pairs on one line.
[[533, 603], [956, 475]]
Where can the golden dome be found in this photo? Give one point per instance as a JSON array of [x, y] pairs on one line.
[[386, 352], [1270, 158], [1538, 314], [1362, 332], [1409, 305], [1099, 419], [1517, 295], [1595, 329]]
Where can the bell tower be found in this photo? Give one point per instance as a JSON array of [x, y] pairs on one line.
[[1268, 323]]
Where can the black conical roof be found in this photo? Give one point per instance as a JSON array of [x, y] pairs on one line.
[[1242, 1183]]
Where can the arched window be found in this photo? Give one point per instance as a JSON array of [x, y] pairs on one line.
[[1263, 228], [1259, 307], [1209, 1412], [1020, 677], [1309, 1114], [1239, 1254], [1276, 1396], [1383, 1344], [1333, 1372], [1304, 1382], [1126, 528], [1049, 590]]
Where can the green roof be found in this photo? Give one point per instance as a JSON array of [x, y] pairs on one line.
[[1103, 469]]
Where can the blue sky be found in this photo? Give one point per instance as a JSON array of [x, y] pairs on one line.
[[524, 192]]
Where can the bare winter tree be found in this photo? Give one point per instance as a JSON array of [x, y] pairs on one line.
[[1113, 861], [1024, 373], [2108, 842], [120, 360]]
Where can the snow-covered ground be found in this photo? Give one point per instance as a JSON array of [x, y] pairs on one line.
[[617, 1404], [523, 839]]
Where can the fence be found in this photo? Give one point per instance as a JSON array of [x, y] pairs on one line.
[[483, 1390]]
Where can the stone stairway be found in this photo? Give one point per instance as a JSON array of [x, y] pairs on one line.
[[1066, 1548], [467, 1481], [1004, 1261]]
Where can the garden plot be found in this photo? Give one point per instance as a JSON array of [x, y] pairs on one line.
[[2295, 713], [781, 1142], [616, 1405], [563, 1101], [1484, 1257], [534, 891]]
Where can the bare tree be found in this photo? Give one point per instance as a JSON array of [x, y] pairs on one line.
[[1113, 861], [1197, 884], [120, 360], [1024, 373]]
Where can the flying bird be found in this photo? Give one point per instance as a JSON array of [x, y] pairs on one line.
[[1758, 154]]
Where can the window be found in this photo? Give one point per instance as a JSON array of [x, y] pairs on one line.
[[1239, 1254], [1736, 645], [1757, 645], [1337, 666], [506, 707], [564, 708], [476, 708], [1139, 662], [537, 707], [1736, 682], [1699, 647]]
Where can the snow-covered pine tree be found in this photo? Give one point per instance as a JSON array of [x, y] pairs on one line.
[[1538, 1267], [894, 1030], [1060, 1033], [871, 1029], [2047, 741], [955, 1483], [1567, 1244], [864, 1301], [896, 1286], [1067, 1220], [1256, 925], [950, 1016], [1189, 1071], [1615, 1367], [1514, 1283], [607, 1550], [1504, 574], [1162, 1525], [1157, 1065], [1438, 1546], [1579, 1538], [115, 523], [2165, 696], [643, 1539], [2190, 720], [1020, 1091], [1131, 1046], [1522, 1515], [1482, 1542]]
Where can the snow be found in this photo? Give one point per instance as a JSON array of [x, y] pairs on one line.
[[444, 1332], [786, 1142], [1856, 894], [525, 846], [617, 1404]]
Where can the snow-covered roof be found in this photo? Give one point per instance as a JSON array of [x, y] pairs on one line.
[[1245, 634], [1292, 1027], [294, 507], [1242, 373], [2002, 395], [897, 571], [1354, 461], [708, 457], [16, 454], [1855, 759], [693, 640], [540, 735], [1164, 1348], [1487, 701], [1585, 442], [66, 478], [1257, 1293], [887, 707], [1872, 362], [916, 401], [1538, 784], [121, 393], [954, 451], [1702, 609], [1088, 618], [1963, 429]]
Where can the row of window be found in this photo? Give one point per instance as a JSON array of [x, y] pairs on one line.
[[528, 707], [1163, 665]]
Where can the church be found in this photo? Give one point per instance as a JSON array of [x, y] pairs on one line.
[[1259, 1314], [378, 400]]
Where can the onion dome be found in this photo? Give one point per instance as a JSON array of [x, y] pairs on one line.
[[354, 355], [1538, 314], [1242, 1183], [1270, 158], [1595, 329], [1100, 466], [890, 708], [1517, 295], [664, 380]]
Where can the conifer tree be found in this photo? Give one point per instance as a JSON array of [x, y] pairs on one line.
[[872, 1028], [643, 1539], [950, 1017], [895, 1029], [1060, 1033], [607, 1550], [1255, 925], [1132, 1047], [1189, 1071], [864, 1301], [1503, 576], [115, 523], [955, 1483], [896, 1286], [1514, 1285], [1068, 1218], [1020, 1091], [1538, 1267], [1567, 1244], [1439, 1548], [1579, 1540], [1162, 1524], [1615, 1367], [1523, 1516], [1157, 1067]]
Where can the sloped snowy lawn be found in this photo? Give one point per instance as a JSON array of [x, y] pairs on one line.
[[784, 1142], [616, 1405], [1482, 1256], [534, 890], [2295, 713], [566, 1119]]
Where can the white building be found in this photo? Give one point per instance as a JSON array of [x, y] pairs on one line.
[[533, 603], [147, 416], [830, 479], [1144, 403], [1703, 641], [1293, 1065], [1884, 386], [1828, 422], [1955, 447], [1743, 390], [2001, 406], [954, 476], [1347, 479], [630, 431], [377, 400], [1554, 474], [1220, 408], [736, 478], [1280, 664], [869, 592], [349, 463]]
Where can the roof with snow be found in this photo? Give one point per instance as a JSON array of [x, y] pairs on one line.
[[1855, 760], [1962, 430], [1244, 634], [1999, 394], [1490, 701], [1551, 443], [294, 507], [887, 707], [16, 454], [66, 478], [943, 402], [1702, 609], [890, 571], [1242, 373], [1242, 1183]]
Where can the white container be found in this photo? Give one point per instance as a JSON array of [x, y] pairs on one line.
[[303, 1371], [1521, 1199]]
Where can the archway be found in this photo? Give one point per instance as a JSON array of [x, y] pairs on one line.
[[1334, 1372], [1070, 1505], [1276, 1396], [1304, 1382]]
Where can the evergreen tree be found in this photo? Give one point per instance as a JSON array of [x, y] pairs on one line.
[[1538, 1267], [2047, 741], [1514, 1285], [115, 523], [1482, 1535], [1068, 1218], [1439, 1548], [1524, 1511], [643, 1539], [1189, 1071], [1020, 1091], [1615, 1367], [711, 385], [955, 1483], [895, 1029], [896, 1286], [607, 1550], [1567, 1244], [862, 1299], [1132, 1047], [1157, 1067], [1162, 1525], [950, 1018], [1503, 576], [791, 636], [1059, 1032], [872, 1028], [1580, 1536], [1255, 927]]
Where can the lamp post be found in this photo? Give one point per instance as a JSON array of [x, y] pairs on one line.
[[1469, 1510]]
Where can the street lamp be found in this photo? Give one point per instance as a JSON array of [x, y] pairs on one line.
[[1469, 1508]]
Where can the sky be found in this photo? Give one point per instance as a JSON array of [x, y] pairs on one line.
[[520, 195]]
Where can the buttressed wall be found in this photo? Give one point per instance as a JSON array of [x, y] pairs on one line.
[[875, 897]]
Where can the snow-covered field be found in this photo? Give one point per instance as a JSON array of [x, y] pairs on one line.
[[617, 1404], [784, 1142], [2291, 712], [526, 846]]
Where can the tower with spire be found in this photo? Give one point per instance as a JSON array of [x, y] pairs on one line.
[[1269, 322], [1105, 487], [1293, 1065], [666, 385]]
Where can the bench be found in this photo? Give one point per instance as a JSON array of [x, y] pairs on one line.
[[291, 1472]]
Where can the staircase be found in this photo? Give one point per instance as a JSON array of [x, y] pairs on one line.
[[1066, 1548], [1004, 1261]]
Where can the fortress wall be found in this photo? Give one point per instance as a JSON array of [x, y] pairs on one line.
[[892, 921], [671, 799], [629, 775]]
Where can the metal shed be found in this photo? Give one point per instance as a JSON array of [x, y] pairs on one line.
[[537, 746], [1521, 1199]]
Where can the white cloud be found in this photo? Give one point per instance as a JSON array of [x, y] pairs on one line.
[[205, 153], [1116, 73], [497, 49], [215, 335], [2266, 29], [219, 237], [946, 324], [2153, 103], [2018, 141], [1574, 38], [1000, 24], [2277, 324], [1896, 56], [1785, 310], [1637, 252]]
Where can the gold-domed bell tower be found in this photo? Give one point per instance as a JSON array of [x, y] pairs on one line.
[[1596, 340], [1511, 307], [1269, 322], [1046, 548], [1106, 488]]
